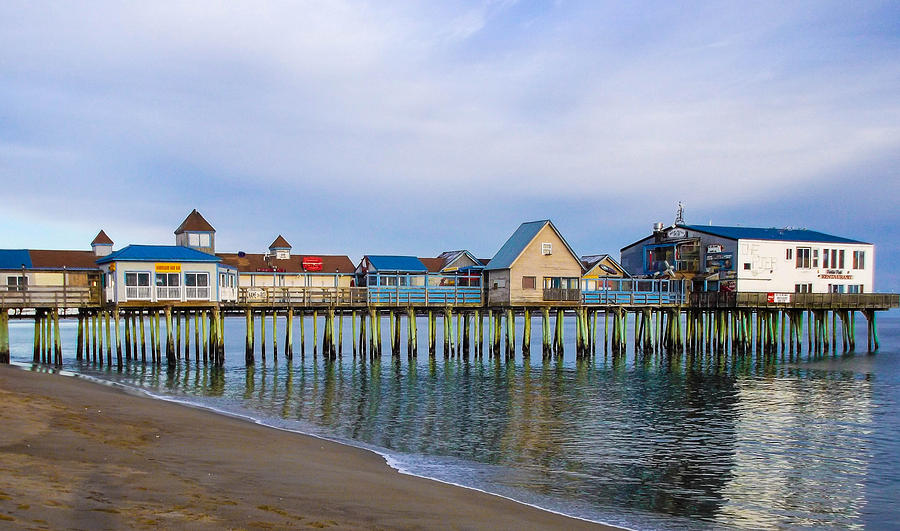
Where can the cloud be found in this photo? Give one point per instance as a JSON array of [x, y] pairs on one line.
[[456, 111]]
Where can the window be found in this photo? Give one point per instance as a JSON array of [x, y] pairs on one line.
[[815, 260], [825, 262], [137, 279], [282, 254], [546, 248], [803, 257], [788, 254], [16, 283], [198, 239], [859, 259], [841, 259], [196, 279], [802, 288], [529, 283], [167, 280], [855, 288], [747, 266]]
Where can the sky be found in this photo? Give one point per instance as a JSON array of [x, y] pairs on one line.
[[417, 127]]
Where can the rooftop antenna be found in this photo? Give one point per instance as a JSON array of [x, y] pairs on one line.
[[679, 217]]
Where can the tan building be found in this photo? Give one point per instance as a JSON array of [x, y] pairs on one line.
[[281, 268], [536, 265], [598, 270]]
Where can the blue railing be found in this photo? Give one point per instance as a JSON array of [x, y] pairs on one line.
[[635, 292], [423, 289]]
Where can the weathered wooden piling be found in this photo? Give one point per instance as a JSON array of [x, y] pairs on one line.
[[187, 336], [446, 320], [108, 336], [353, 332], [118, 339], [249, 354], [412, 333], [526, 334], [289, 335], [275, 336], [204, 337], [315, 322], [79, 341], [4, 335], [171, 353], [262, 335], [340, 337]]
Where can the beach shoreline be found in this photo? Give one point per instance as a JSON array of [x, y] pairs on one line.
[[76, 454]]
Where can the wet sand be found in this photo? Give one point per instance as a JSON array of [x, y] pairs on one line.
[[78, 455]]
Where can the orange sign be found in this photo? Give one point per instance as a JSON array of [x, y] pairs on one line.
[[168, 268]]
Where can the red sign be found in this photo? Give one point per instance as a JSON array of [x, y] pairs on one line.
[[312, 263]]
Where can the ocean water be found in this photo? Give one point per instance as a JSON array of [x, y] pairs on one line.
[[648, 442]]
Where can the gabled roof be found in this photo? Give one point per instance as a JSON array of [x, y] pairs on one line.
[[194, 222], [102, 239], [591, 262], [253, 262], [154, 253], [15, 259], [280, 243], [520, 240], [403, 264], [774, 234], [434, 265]]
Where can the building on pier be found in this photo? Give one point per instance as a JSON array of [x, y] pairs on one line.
[[47, 273], [534, 266], [196, 233], [599, 269], [452, 268], [281, 268], [750, 259], [391, 270], [166, 274]]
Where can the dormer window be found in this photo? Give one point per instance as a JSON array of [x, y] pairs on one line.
[[198, 239]]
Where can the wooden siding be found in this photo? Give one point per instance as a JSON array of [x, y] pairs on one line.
[[531, 263]]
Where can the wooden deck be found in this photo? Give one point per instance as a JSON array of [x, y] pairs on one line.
[[811, 301]]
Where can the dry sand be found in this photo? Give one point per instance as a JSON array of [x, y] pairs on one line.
[[78, 455]]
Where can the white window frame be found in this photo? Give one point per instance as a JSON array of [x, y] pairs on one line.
[[546, 248]]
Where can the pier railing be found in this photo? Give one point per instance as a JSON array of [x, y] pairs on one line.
[[628, 292], [302, 296], [813, 301], [50, 297], [425, 296]]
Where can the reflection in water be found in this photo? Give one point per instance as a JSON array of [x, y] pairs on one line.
[[665, 441]]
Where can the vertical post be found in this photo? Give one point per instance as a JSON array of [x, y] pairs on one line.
[[340, 334], [262, 335], [187, 336], [36, 357], [275, 336], [302, 335], [118, 339], [545, 332], [315, 318], [526, 335], [446, 332], [140, 316], [289, 335], [171, 355], [108, 336], [431, 331], [353, 332], [466, 335], [177, 317], [79, 346], [197, 336], [204, 323], [249, 355], [4, 336]]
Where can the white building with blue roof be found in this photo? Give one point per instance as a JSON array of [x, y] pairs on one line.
[[167, 274], [751, 259]]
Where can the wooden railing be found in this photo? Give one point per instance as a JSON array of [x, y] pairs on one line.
[[562, 294], [814, 301], [50, 297]]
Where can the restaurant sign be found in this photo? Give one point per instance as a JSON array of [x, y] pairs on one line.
[[676, 233], [778, 298], [168, 268]]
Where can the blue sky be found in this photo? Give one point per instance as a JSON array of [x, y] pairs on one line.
[[413, 127]]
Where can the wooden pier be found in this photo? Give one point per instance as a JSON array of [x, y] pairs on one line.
[[664, 319]]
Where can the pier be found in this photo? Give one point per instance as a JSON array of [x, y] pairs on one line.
[[664, 318]]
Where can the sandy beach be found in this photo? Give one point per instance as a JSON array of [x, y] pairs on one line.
[[78, 455]]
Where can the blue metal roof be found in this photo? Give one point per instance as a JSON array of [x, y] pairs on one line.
[[518, 241], [158, 253], [754, 233], [14, 259], [403, 264]]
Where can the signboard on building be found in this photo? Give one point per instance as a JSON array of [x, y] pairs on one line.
[[714, 248], [778, 298], [719, 262], [256, 294], [168, 268], [676, 233]]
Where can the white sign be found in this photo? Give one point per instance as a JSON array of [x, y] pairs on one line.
[[714, 248], [676, 233], [256, 294], [779, 298]]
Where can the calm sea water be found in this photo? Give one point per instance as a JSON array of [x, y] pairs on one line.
[[644, 442]]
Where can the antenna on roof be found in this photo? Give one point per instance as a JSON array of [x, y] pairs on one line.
[[679, 217]]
